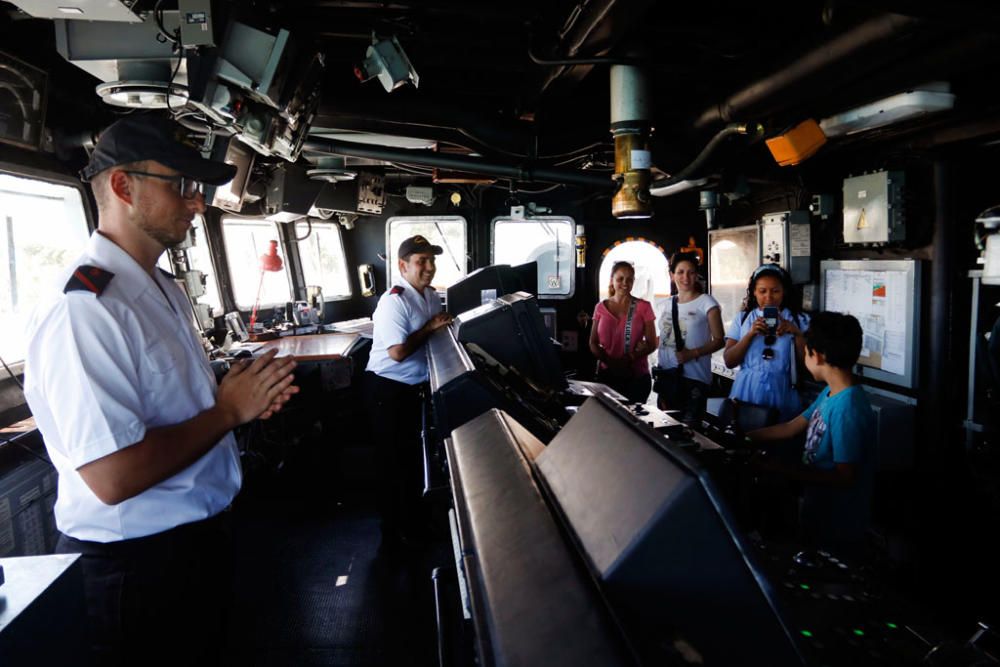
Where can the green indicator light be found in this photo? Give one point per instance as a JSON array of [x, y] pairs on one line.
[[859, 633], [892, 626], [804, 587], [806, 633]]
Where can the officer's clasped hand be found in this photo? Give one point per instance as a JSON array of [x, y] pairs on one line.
[[257, 389]]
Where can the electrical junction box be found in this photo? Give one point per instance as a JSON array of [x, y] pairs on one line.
[[195, 23], [873, 208], [371, 193], [786, 240]]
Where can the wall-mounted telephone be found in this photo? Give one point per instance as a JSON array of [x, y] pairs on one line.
[[366, 277]]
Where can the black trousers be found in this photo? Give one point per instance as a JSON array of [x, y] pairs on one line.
[[395, 412], [633, 387], [161, 599]]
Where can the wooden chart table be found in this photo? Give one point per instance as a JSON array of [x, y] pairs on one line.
[[316, 347]]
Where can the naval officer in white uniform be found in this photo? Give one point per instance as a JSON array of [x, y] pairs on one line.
[[404, 319], [131, 415]]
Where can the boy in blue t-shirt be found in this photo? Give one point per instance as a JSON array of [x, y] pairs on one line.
[[838, 465]]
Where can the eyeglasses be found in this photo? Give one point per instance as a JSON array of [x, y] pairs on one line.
[[188, 188], [768, 353]]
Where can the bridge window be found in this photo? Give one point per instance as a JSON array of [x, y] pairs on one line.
[[549, 241], [321, 249], [652, 270], [246, 240], [449, 232], [43, 229]]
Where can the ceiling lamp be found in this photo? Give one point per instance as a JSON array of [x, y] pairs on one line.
[[928, 98], [143, 94]]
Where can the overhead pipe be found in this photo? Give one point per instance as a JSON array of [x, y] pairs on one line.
[[678, 186], [682, 180], [594, 28], [810, 67], [526, 173], [424, 119]]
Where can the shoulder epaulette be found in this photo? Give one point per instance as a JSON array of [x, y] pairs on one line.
[[397, 290], [89, 279]]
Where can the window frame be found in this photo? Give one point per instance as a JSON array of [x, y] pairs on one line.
[[282, 245], [333, 224], [210, 253], [539, 219], [390, 253], [55, 178]]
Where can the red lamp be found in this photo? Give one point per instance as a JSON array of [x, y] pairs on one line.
[[270, 261]]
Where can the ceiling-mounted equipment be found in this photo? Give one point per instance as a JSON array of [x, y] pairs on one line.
[[256, 84], [195, 23], [928, 98], [122, 53], [798, 144], [371, 193], [386, 60], [290, 194], [265, 86], [420, 194], [230, 197], [86, 10], [708, 201], [142, 94], [332, 169], [873, 208], [630, 127], [22, 103]]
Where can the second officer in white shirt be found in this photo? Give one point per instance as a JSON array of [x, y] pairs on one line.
[[404, 319]]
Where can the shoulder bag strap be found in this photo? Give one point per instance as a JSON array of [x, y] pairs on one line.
[[795, 358], [678, 338]]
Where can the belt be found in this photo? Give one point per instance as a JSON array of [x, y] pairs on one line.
[[193, 533]]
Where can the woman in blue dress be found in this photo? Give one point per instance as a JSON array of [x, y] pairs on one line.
[[768, 362]]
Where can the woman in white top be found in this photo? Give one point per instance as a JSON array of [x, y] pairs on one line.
[[685, 366]]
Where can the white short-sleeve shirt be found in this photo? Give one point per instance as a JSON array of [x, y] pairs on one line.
[[401, 311], [693, 320], [99, 371]]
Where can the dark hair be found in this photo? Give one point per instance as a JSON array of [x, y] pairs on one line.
[[837, 336], [615, 268], [679, 257], [675, 261], [791, 300]]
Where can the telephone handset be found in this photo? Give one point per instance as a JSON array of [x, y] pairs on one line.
[[366, 277]]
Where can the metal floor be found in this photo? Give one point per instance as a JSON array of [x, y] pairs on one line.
[[311, 588]]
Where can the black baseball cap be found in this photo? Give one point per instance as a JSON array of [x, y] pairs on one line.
[[147, 137], [417, 244]]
